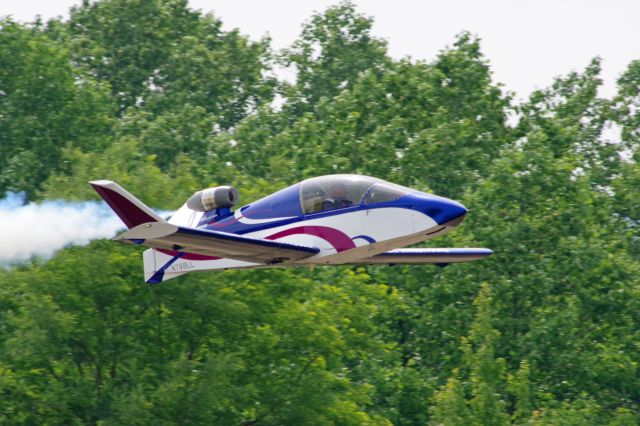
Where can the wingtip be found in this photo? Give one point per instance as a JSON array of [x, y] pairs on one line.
[[482, 251]]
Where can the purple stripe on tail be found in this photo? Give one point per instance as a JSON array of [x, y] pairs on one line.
[[130, 214]]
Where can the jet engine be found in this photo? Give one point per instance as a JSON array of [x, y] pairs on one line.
[[213, 198]]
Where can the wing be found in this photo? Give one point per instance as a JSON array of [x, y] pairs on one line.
[[163, 235], [440, 256]]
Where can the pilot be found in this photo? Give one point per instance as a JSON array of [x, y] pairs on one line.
[[337, 197]]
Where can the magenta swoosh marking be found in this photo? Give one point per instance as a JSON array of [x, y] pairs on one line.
[[338, 239]]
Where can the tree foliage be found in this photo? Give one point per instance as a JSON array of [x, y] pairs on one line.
[[45, 105]]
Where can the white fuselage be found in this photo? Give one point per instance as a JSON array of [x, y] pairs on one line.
[[370, 231]]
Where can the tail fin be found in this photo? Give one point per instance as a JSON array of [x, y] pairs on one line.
[[132, 211]]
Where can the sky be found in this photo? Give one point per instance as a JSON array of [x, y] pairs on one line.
[[528, 43]]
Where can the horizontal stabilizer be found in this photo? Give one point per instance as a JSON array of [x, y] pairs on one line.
[[132, 211], [166, 236], [164, 265], [427, 255]]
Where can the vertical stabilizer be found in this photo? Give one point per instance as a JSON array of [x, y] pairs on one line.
[[132, 211]]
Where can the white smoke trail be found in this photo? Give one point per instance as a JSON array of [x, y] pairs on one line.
[[40, 229]]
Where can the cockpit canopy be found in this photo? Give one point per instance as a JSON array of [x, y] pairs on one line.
[[324, 193], [340, 191]]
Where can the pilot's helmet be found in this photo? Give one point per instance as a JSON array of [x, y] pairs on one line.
[[338, 189]]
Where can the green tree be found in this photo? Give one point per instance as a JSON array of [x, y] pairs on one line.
[[486, 370], [332, 50], [485, 404], [85, 341], [45, 105], [123, 162], [568, 264], [126, 42], [519, 385], [624, 184], [451, 404]]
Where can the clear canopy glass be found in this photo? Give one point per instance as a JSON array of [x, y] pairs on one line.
[[342, 191]]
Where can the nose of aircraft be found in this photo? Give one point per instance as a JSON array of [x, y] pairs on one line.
[[443, 210]]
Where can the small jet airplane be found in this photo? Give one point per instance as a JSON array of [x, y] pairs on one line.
[[326, 220]]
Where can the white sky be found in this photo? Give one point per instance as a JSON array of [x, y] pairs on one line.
[[527, 42]]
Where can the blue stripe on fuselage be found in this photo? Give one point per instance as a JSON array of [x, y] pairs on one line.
[[232, 225]]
